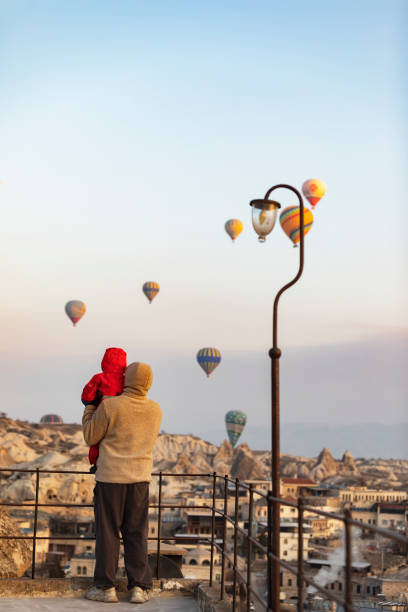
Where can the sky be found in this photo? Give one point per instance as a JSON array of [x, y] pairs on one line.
[[131, 131]]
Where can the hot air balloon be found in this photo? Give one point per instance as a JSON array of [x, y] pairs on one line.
[[290, 222], [313, 190], [75, 310], [151, 289], [234, 227], [235, 421], [51, 418], [208, 359]]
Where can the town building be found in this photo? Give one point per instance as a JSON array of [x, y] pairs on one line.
[[363, 496]]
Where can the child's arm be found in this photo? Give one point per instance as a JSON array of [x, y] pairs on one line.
[[91, 393]]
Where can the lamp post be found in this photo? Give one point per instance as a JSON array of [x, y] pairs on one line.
[[264, 214]]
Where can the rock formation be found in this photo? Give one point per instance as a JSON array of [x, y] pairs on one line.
[[245, 466], [15, 555], [29, 445]]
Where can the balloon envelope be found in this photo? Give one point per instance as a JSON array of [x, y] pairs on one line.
[[151, 289], [290, 222], [75, 310], [235, 421], [313, 190], [234, 227], [208, 358], [51, 418]]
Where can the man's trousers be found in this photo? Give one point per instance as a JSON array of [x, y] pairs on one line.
[[122, 509]]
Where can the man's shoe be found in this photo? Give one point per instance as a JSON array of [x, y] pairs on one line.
[[138, 595], [105, 595]]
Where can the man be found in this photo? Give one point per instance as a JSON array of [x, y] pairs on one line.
[[126, 428]]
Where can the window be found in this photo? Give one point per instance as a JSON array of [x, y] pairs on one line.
[[368, 589], [285, 553], [340, 586], [153, 530], [78, 569], [84, 571], [289, 581], [205, 562], [193, 562], [358, 588]]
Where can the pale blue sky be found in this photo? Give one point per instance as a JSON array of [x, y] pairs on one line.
[[130, 131]]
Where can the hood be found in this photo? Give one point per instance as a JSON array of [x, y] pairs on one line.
[[114, 361], [138, 378]]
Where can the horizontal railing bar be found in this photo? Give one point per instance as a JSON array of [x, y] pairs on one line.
[[33, 471], [47, 505], [55, 537], [62, 537], [183, 506], [183, 475]]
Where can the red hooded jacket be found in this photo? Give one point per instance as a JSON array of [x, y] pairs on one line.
[[109, 382]]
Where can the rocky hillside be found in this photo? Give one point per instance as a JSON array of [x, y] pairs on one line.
[[29, 445], [15, 555]]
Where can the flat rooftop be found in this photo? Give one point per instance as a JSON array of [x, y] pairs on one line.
[[162, 602]]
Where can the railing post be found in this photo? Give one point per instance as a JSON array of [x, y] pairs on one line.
[[300, 554], [224, 537], [234, 592], [249, 555], [159, 528], [349, 585], [37, 485], [270, 502], [213, 527]]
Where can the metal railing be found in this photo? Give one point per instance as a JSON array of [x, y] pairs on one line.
[[224, 483]]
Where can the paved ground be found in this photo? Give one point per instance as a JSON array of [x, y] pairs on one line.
[[166, 602]]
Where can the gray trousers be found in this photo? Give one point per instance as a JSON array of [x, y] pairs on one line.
[[122, 509]]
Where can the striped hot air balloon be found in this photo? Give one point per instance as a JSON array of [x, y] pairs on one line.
[[208, 359], [235, 421], [290, 222], [313, 190], [75, 310], [54, 419], [151, 289], [233, 227]]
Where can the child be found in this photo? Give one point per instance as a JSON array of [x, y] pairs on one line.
[[109, 382]]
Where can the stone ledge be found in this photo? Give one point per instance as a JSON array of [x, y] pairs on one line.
[[76, 587], [208, 599]]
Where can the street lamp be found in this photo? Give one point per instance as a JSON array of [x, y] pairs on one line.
[[264, 213]]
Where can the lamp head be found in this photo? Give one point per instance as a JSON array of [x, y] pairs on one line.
[[264, 215]]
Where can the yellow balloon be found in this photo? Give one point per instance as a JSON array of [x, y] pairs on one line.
[[313, 190], [234, 227]]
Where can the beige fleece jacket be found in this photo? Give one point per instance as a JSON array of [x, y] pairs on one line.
[[126, 428]]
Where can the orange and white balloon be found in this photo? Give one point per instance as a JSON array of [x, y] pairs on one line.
[[233, 227], [313, 190]]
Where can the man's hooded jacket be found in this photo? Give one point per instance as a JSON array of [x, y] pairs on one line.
[[126, 428]]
